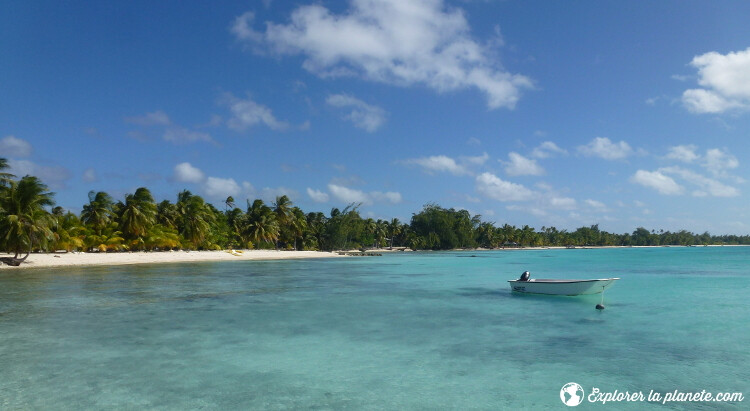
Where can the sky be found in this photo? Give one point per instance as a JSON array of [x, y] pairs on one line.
[[565, 114]]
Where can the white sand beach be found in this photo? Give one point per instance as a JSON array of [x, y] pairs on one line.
[[50, 260]]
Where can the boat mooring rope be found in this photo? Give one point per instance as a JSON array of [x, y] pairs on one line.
[[600, 306]]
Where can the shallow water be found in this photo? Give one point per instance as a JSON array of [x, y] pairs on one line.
[[404, 331]]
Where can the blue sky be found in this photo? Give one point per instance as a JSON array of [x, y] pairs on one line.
[[526, 112]]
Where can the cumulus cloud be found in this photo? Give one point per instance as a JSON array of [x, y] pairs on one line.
[[440, 163], [494, 187], [718, 161], [684, 153], [595, 204], [386, 197], [350, 195], [365, 116], [725, 82], [390, 41], [247, 113], [715, 160], [706, 186], [548, 149], [54, 176], [186, 173], [172, 132], [11, 146], [89, 175], [270, 193], [183, 135], [658, 181], [604, 148], [157, 118], [317, 195], [476, 160], [519, 165], [563, 203], [221, 187], [212, 187]]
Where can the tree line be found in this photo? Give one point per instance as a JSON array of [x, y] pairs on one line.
[[30, 221]]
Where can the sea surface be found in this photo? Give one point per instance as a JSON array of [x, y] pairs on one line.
[[424, 331]]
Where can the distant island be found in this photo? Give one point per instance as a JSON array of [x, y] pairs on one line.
[[30, 222]]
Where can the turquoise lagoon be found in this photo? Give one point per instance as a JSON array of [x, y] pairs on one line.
[[437, 330]]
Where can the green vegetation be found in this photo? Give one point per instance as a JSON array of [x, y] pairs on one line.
[[30, 222]]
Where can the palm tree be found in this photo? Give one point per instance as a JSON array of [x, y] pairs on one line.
[[370, 228], [282, 208], [260, 223], [167, 215], [138, 215], [195, 218], [25, 222], [381, 231], [229, 203], [316, 227], [110, 239], [161, 237], [298, 224], [69, 232], [394, 229], [98, 212], [5, 178]]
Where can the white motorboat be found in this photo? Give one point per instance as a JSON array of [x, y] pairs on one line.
[[560, 287]]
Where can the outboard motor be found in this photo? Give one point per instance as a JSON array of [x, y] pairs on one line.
[[525, 276]]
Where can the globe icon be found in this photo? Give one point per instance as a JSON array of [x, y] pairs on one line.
[[571, 394]]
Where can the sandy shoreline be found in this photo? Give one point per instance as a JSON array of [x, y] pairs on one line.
[[51, 260]]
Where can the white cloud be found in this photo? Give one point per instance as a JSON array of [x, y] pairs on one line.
[[604, 148], [718, 161], [437, 164], [391, 41], [242, 30], [11, 146], [563, 203], [548, 149], [270, 193], [595, 204], [387, 197], [531, 210], [658, 181], [522, 166], [186, 173], [476, 160], [157, 118], [725, 82], [493, 187], [221, 187], [363, 115], [89, 175], [707, 186], [54, 176], [317, 195], [247, 113], [684, 153], [349, 195], [183, 135]]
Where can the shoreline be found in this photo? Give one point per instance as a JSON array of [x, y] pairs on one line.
[[53, 260]]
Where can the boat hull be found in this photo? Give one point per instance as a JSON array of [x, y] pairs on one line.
[[562, 287]]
